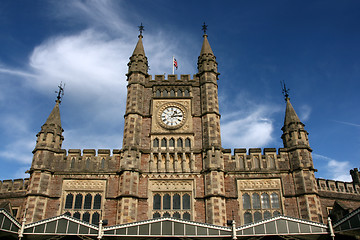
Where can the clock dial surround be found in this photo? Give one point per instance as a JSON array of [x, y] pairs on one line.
[[171, 115]]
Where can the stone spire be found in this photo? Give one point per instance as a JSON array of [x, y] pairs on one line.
[[294, 133], [50, 135], [207, 60], [138, 61]]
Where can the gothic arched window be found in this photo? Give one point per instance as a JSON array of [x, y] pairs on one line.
[[176, 215], [179, 142], [187, 142], [97, 201], [246, 201], [186, 201], [166, 214], [157, 202], [265, 201], [257, 216], [156, 142], [76, 215], [171, 142], [158, 93], [156, 215], [87, 202], [276, 213], [86, 217], [274, 200], [247, 218], [165, 93], [176, 201], [163, 142], [186, 93], [172, 93], [179, 93], [78, 201], [256, 201], [166, 201], [95, 218], [69, 201], [267, 214], [67, 214], [186, 216]]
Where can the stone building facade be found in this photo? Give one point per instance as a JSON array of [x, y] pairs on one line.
[[172, 163]]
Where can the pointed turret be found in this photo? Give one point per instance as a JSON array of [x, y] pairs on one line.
[[50, 136], [207, 60], [138, 60], [294, 133]]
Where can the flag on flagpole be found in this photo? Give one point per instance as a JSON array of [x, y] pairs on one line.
[[175, 64]]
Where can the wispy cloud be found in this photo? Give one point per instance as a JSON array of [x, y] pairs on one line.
[[304, 112], [16, 72], [348, 123], [336, 170]]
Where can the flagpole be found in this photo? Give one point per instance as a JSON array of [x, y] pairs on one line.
[[173, 65]]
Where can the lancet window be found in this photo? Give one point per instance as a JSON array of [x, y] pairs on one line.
[[84, 206], [260, 205], [172, 204]]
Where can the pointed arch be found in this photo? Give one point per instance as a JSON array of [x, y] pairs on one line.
[[69, 201], [97, 201], [171, 142], [163, 142], [156, 142], [172, 93], [179, 143], [187, 142]]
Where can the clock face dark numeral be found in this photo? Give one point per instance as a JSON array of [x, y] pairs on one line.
[[172, 116]]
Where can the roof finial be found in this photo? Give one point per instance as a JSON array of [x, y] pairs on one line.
[[285, 91], [141, 29], [60, 92], [204, 28]]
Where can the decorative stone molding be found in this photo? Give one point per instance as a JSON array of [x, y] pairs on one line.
[[259, 184], [160, 104], [171, 185], [85, 185]]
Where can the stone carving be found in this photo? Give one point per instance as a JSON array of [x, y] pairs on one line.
[[88, 185], [171, 185], [258, 184]]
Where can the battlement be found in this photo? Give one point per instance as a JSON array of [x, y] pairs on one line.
[[14, 185], [173, 78], [255, 159], [337, 186]]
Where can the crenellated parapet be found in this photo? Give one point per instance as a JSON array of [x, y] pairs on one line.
[[256, 159], [86, 161], [332, 186], [14, 185]]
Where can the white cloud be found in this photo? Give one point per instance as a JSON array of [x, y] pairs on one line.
[[245, 129], [305, 111], [336, 170]]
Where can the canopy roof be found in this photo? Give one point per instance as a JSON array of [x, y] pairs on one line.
[[349, 225], [63, 227]]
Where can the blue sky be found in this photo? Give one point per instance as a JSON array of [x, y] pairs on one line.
[[312, 45]]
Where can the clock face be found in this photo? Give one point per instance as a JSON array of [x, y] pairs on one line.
[[172, 116]]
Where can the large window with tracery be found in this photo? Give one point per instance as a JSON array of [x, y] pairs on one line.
[[85, 206], [260, 205], [172, 204]]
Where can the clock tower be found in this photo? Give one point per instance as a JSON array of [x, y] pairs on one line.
[[172, 144]]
